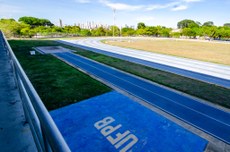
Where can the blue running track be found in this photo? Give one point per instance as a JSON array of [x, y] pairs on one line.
[[209, 119], [186, 73]]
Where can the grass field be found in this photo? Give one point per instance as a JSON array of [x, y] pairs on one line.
[[204, 51], [57, 83]]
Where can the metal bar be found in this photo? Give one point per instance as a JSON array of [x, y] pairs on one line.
[[32, 118], [33, 131], [46, 142], [51, 131]]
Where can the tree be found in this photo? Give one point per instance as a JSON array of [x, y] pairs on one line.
[[10, 27], [222, 32], [176, 34], [30, 26], [165, 32], [85, 32], [25, 30], [127, 31], [209, 31], [227, 24], [99, 31], [189, 32], [33, 21], [193, 25], [187, 23], [198, 23], [150, 31], [57, 29], [208, 23], [141, 31], [109, 31], [74, 30], [198, 31], [141, 25]]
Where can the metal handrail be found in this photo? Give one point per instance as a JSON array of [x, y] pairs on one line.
[[49, 132]]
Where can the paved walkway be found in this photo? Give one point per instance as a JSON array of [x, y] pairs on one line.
[[15, 134]]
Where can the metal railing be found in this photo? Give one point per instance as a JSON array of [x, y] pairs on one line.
[[46, 135]]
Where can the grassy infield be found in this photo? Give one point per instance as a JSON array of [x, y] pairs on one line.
[[204, 51], [59, 84]]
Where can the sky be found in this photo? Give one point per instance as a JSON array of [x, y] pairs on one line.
[[128, 12]]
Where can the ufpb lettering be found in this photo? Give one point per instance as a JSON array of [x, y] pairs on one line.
[[123, 141]]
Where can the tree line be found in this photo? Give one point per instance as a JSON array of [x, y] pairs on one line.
[[35, 27]]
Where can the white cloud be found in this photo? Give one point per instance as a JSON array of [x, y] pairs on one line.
[[157, 6], [175, 6], [83, 1], [121, 6], [179, 8], [154, 7]]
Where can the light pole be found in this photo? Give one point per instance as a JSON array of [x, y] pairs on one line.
[[114, 11]]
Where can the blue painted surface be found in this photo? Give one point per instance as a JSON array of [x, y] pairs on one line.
[[186, 73], [209, 119], [154, 132]]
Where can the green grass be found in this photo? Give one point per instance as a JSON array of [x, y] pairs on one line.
[[212, 93], [57, 83]]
